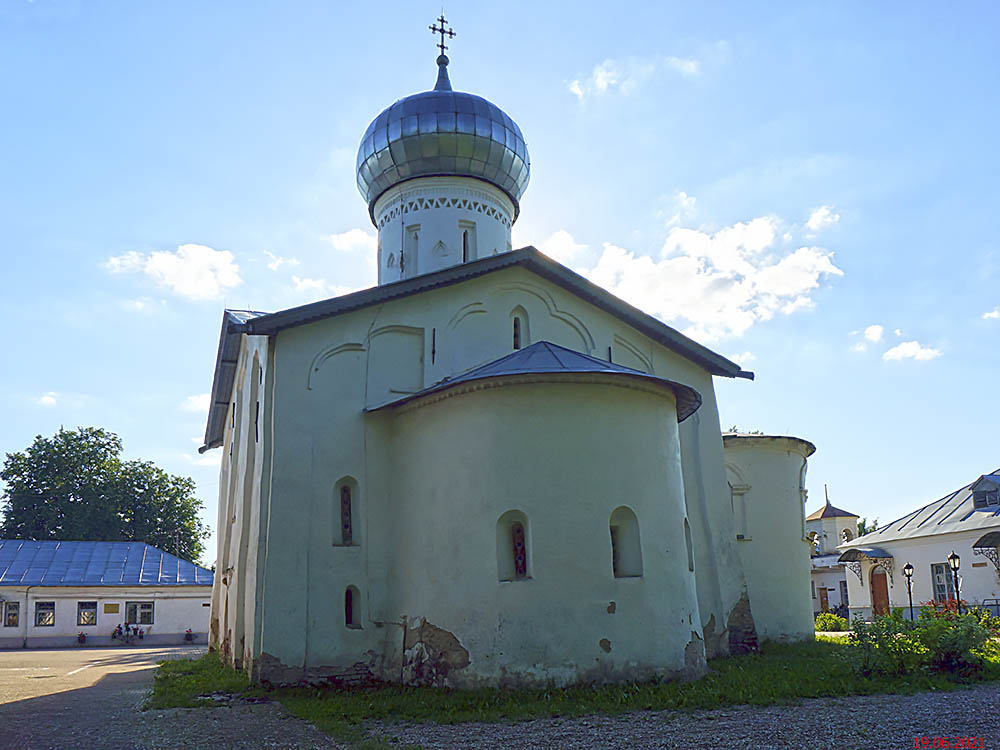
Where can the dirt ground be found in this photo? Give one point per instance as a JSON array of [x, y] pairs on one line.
[[83, 697]]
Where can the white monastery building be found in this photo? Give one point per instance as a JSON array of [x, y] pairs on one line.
[[50, 592], [486, 470], [826, 529], [965, 522]]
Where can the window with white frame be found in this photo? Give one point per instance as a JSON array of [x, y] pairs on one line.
[[11, 614], [86, 613], [843, 593], [944, 584], [139, 613], [45, 614]]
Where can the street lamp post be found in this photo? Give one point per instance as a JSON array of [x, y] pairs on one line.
[[953, 562], [908, 572]]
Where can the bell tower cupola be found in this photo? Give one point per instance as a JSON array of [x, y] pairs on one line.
[[443, 173]]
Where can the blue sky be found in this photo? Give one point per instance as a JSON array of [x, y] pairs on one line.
[[807, 187]]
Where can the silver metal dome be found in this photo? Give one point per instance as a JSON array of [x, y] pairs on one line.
[[442, 133]]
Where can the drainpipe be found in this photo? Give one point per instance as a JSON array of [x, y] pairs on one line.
[[24, 643]]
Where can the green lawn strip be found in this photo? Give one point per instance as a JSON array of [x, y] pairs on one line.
[[179, 683], [779, 674]]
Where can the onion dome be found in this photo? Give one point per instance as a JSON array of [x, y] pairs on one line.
[[442, 133]]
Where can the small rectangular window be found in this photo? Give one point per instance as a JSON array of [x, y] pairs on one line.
[[45, 614], [139, 613], [979, 499], [11, 614], [86, 613]]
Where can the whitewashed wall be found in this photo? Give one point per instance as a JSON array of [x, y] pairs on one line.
[[317, 384], [766, 475], [176, 609]]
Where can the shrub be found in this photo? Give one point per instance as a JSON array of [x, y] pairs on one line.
[[827, 621], [954, 645], [940, 641]]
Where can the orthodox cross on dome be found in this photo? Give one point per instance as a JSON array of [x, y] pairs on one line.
[[443, 31]]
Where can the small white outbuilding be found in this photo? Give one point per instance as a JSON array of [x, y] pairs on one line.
[[965, 522], [51, 592]]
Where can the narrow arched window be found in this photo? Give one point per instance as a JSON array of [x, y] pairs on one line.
[[626, 549], [519, 550], [351, 605], [346, 519], [846, 536], [465, 246], [517, 333], [513, 547]]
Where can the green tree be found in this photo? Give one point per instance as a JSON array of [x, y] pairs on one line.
[[865, 528], [75, 486]]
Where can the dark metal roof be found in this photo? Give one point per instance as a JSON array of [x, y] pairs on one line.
[[29, 563], [857, 554], [954, 512], [226, 360], [828, 511], [988, 540], [237, 323], [544, 357]]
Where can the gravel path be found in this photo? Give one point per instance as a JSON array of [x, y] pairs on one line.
[[878, 722]]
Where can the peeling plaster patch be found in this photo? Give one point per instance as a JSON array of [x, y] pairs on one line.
[[612, 608], [713, 641], [430, 654], [605, 645], [270, 670], [742, 630], [694, 657]]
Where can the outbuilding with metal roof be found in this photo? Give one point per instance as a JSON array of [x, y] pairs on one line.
[[52, 592]]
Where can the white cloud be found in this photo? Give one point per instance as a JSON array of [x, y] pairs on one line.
[[145, 305], [625, 76], [47, 399], [898, 332], [561, 246], [821, 218], [277, 261], [194, 271], [861, 346], [683, 206], [994, 314], [743, 358], [308, 285], [355, 241], [129, 262], [720, 283], [208, 458], [910, 350], [198, 403], [874, 333]]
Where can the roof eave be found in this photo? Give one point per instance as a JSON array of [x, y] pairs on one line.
[[526, 257]]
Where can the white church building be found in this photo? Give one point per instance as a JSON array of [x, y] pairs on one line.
[[486, 470]]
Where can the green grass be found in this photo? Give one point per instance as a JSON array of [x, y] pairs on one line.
[[779, 674], [178, 683]]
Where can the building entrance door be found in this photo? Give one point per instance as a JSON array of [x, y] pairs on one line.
[[880, 592], [824, 600]]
